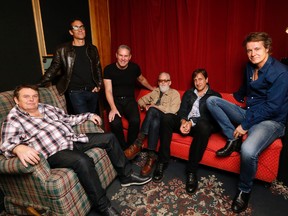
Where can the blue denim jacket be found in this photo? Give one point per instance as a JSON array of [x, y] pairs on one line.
[[266, 97]]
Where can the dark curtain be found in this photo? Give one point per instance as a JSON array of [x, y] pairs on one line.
[[179, 36]]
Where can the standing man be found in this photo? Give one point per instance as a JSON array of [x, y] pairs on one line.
[[76, 65], [119, 81], [32, 128], [193, 119], [161, 101], [266, 91]]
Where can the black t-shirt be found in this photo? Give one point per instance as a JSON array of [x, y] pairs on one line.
[[123, 81], [82, 75]]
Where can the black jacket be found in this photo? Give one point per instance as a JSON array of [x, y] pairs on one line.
[[188, 100], [62, 66]]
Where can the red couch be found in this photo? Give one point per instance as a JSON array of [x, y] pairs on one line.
[[268, 160]]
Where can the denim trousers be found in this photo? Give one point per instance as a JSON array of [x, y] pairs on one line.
[[260, 136], [83, 101], [151, 126], [128, 108], [84, 166]]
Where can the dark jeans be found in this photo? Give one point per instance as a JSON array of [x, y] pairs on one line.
[[151, 126], [128, 108], [84, 166], [200, 133], [83, 101]]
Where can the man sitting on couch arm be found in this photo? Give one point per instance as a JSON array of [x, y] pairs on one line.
[[265, 88], [32, 128]]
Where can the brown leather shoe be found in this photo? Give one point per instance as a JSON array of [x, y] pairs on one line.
[[147, 168], [132, 151]]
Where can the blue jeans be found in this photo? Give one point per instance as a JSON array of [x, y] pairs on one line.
[[260, 136], [83, 101], [151, 126]]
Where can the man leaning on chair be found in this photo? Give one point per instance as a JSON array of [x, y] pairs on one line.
[[32, 128]]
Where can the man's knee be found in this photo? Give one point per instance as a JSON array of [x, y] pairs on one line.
[[211, 101], [203, 128], [116, 123], [84, 162]]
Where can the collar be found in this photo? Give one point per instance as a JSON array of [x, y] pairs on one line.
[[196, 91]]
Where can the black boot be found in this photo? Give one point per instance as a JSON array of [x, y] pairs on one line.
[[234, 145], [240, 202], [191, 183], [159, 171]]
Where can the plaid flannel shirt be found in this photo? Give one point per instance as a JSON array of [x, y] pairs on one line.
[[49, 134]]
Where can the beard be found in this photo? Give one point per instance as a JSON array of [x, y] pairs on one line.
[[164, 88]]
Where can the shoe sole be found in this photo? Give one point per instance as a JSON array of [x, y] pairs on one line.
[[136, 183], [131, 158], [157, 181], [145, 175]]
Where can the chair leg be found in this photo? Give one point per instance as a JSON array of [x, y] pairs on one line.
[[32, 211]]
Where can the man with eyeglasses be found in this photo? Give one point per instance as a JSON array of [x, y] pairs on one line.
[[193, 119], [77, 70], [157, 104], [120, 80]]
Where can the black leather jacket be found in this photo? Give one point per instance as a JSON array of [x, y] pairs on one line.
[[62, 66], [188, 100]]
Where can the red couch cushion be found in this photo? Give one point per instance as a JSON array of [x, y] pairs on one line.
[[268, 160]]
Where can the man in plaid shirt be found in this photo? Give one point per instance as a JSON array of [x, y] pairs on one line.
[[32, 128]]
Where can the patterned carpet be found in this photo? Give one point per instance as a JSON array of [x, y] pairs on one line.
[[214, 195], [213, 198]]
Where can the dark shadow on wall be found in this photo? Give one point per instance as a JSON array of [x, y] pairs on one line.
[[20, 62], [19, 58]]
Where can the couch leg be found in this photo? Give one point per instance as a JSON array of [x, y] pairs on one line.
[[32, 211]]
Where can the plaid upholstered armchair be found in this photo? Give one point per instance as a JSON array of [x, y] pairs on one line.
[[39, 190]]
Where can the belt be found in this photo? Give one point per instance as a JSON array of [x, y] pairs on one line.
[[123, 97], [82, 89]]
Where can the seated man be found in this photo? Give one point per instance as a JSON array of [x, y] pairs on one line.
[[193, 119], [32, 128], [265, 88], [159, 102]]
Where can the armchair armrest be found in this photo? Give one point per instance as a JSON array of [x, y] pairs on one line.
[[14, 166], [87, 127]]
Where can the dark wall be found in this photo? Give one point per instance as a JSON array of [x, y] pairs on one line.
[[56, 17], [20, 60]]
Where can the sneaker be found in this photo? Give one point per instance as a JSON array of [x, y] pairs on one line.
[[135, 180], [110, 212]]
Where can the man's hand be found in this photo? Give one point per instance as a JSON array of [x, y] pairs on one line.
[[147, 106], [96, 119], [239, 132], [96, 89], [185, 126], [112, 114], [26, 155]]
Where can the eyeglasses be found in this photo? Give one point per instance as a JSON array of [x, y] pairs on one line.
[[76, 28], [163, 80]]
